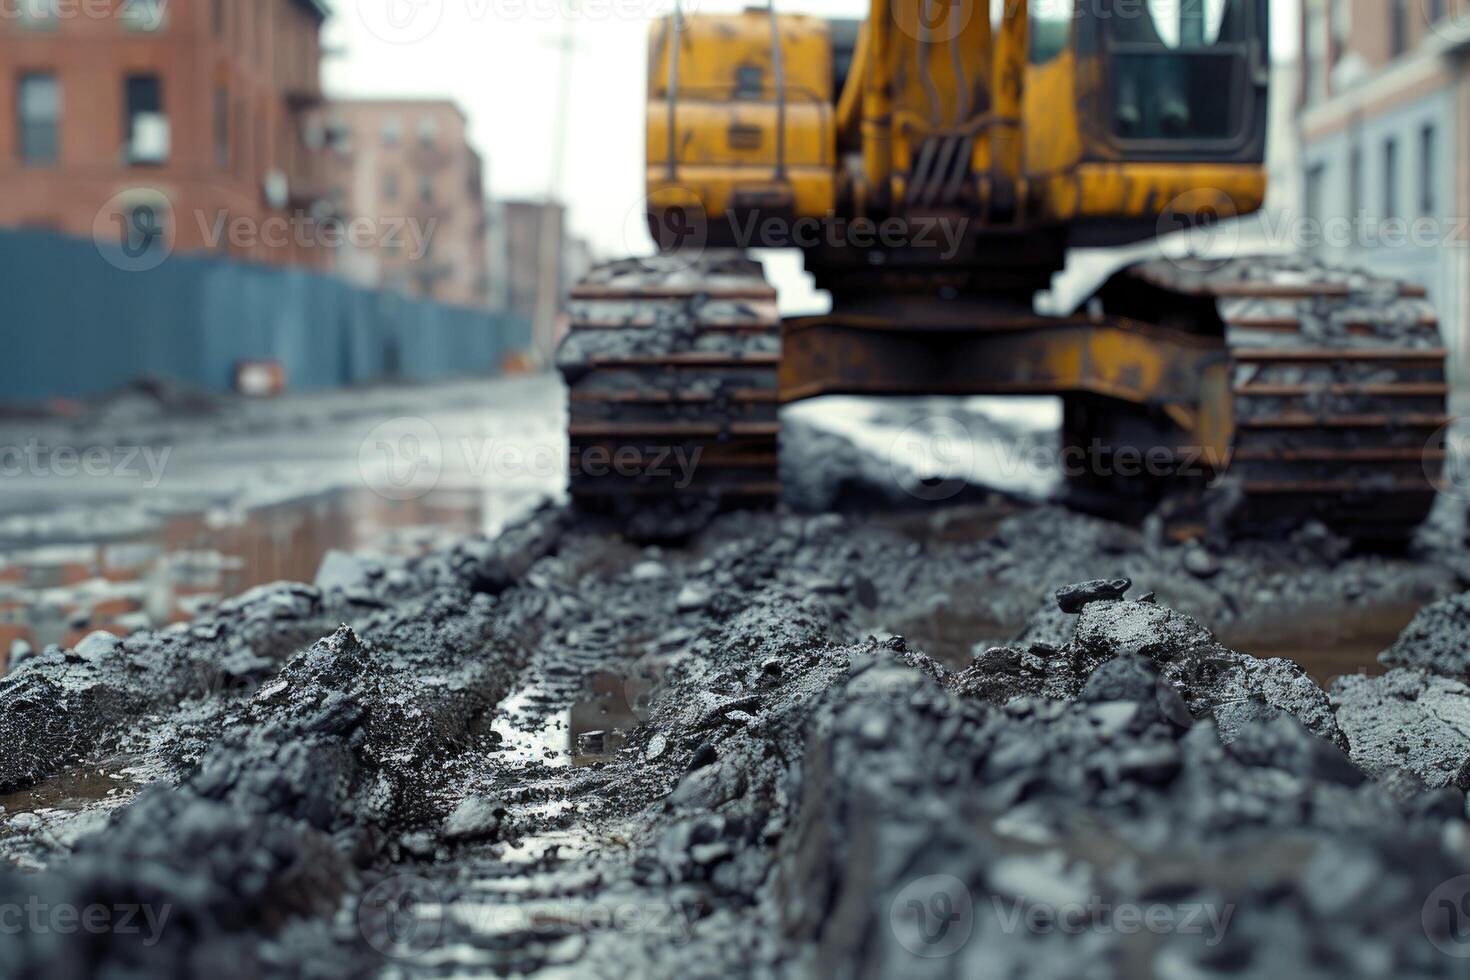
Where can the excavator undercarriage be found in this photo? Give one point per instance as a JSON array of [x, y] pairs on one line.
[[1267, 391]]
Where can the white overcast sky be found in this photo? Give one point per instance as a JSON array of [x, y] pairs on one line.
[[499, 60]]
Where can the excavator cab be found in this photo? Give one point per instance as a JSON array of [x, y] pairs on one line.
[[935, 164], [1190, 72]]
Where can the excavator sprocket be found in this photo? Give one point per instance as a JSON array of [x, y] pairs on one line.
[[671, 363]]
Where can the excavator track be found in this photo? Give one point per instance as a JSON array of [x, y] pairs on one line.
[[671, 363], [1339, 394]]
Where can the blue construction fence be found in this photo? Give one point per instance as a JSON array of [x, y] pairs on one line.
[[75, 324]]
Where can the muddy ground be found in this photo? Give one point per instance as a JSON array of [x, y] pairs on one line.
[[838, 745]]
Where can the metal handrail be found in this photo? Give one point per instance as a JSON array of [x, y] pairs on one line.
[[675, 16], [778, 65]]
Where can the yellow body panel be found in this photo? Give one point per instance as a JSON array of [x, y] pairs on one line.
[[750, 128], [738, 126]]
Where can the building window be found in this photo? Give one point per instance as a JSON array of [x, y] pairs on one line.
[[218, 18], [1342, 27], [1391, 178], [147, 124], [426, 190], [39, 116], [392, 131], [1428, 170], [221, 127], [390, 186], [1398, 26], [1435, 10], [428, 130], [1315, 191]]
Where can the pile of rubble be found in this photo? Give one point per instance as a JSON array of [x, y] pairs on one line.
[[346, 776]]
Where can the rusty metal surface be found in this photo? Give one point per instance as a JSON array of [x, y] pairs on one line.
[[1130, 361]]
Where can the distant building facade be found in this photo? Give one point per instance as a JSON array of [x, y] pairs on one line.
[[136, 119], [519, 230], [405, 169], [1385, 144]]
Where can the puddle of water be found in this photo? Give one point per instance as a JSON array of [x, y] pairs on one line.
[[547, 742], [952, 626], [1327, 642], [73, 791], [170, 572]]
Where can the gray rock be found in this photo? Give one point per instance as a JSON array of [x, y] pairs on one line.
[[1437, 641], [1072, 598], [477, 818], [1407, 719], [1200, 563]]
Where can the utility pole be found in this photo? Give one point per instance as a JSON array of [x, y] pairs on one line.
[[548, 291]]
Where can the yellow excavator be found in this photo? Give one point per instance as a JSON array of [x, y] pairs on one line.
[[935, 163]]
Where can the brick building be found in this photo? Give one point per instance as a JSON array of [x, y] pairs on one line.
[[1385, 144], [133, 118], [404, 172]]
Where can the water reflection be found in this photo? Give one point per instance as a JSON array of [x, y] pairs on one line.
[[182, 564]]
